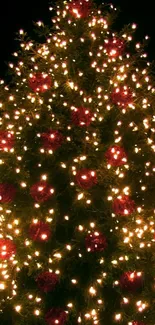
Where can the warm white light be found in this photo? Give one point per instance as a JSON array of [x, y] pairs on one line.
[[92, 291], [18, 308]]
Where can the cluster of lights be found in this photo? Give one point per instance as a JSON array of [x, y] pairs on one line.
[[21, 117]]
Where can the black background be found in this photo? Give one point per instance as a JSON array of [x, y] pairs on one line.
[[16, 14]]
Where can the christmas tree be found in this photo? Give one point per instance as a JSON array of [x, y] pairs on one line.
[[77, 185]]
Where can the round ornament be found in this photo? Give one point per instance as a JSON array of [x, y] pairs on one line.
[[116, 156], [95, 242], [47, 281], [39, 231], [81, 117], [41, 191], [7, 193], [86, 178], [6, 140], [52, 139], [123, 206], [122, 97], [114, 47], [80, 8], [7, 248], [40, 82], [56, 316], [131, 281]]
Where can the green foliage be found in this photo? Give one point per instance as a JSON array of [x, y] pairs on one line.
[[30, 114]]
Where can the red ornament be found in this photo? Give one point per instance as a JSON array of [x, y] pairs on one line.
[[114, 47], [122, 97], [86, 178], [41, 191], [47, 281], [6, 140], [52, 140], [40, 82], [39, 231], [116, 156], [56, 316], [80, 8], [7, 193], [124, 206], [131, 281], [81, 117], [7, 248], [95, 242]]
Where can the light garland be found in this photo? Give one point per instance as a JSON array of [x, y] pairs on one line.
[[83, 115]]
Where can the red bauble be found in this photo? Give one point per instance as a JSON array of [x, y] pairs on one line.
[[81, 117], [131, 281], [47, 281], [40, 82], [80, 8], [86, 178], [52, 140], [122, 97], [41, 191], [95, 242], [114, 47], [116, 156], [56, 316], [39, 231], [6, 140], [7, 193], [124, 206], [7, 248]]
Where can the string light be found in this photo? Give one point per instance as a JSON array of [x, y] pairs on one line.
[[27, 105]]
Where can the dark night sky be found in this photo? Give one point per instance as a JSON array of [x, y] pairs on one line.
[[18, 14]]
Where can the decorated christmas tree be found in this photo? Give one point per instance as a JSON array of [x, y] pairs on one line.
[[77, 185]]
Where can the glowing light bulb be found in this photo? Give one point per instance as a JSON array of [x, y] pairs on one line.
[[18, 308]]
